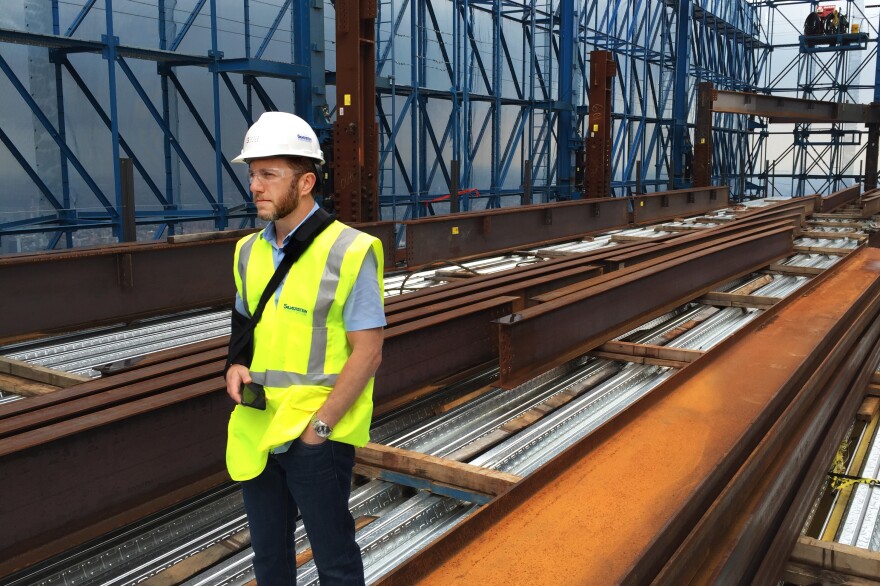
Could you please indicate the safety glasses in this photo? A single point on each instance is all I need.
(268, 175)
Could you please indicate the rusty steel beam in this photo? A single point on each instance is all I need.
(384, 231)
(708, 237)
(870, 204)
(471, 234)
(85, 287)
(806, 205)
(127, 282)
(552, 333)
(100, 394)
(415, 298)
(420, 352)
(790, 110)
(80, 478)
(67, 290)
(840, 198)
(176, 360)
(603, 69)
(659, 207)
(768, 498)
(429, 295)
(681, 444)
(356, 132)
(523, 289)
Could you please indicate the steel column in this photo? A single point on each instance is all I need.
(598, 167)
(703, 136)
(565, 121)
(128, 212)
(872, 154)
(355, 132)
(680, 96)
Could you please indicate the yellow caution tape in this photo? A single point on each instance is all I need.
(840, 481)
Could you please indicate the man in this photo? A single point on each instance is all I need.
(316, 348)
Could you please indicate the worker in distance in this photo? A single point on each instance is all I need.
(306, 341)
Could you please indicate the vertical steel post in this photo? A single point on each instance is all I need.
(872, 151)
(67, 215)
(598, 167)
(495, 164)
(307, 33)
(166, 114)
(680, 96)
(527, 183)
(453, 187)
(703, 136)
(247, 54)
(355, 132)
(129, 226)
(457, 153)
(221, 219)
(766, 177)
(467, 86)
(421, 98)
(109, 53)
(638, 177)
(565, 120)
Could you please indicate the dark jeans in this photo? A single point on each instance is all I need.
(317, 480)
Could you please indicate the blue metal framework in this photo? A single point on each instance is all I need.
(497, 85)
(518, 73)
(817, 158)
(197, 79)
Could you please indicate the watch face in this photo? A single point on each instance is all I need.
(322, 429)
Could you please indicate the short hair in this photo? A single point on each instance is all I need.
(301, 165)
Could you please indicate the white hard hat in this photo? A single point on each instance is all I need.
(280, 134)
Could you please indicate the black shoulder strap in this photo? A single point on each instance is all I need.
(299, 242)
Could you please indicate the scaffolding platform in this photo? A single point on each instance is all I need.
(839, 42)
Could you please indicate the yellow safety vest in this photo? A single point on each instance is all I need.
(300, 344)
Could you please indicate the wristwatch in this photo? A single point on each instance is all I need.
(321, 429)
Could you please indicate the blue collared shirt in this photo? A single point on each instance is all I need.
(363, 310)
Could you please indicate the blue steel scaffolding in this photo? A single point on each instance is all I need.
(801, 159)
(498, 86)
(158, 83)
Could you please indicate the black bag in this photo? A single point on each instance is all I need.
(241, 338)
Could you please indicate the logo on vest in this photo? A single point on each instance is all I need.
(296, 309)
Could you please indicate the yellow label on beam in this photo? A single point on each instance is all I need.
(346, 99)
(455, 229)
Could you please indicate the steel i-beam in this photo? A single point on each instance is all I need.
(598, 169)
(355, 132)
(550, 334)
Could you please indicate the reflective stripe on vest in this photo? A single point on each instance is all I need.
(326, 295)
(244, 256)
(281, 378)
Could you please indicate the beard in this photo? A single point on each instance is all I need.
(283, 207)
